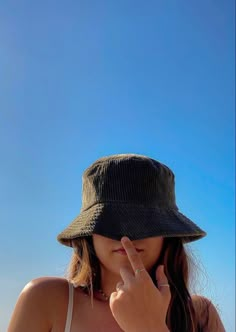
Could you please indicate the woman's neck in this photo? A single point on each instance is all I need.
(109, 281)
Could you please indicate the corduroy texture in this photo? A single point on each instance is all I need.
(132, 195)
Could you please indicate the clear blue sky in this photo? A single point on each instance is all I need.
(84, 79)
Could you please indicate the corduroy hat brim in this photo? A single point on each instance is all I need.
(116, 220)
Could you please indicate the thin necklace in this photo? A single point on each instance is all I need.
(105, 296)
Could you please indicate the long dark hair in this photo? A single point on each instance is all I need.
(181, 314)
(84, 271)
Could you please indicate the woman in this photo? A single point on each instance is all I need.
(129, 270)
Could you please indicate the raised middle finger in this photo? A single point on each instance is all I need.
(133, 256)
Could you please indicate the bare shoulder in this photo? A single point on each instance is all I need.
(39, 304)
(45, 285)
(44, 291)
(207, 314)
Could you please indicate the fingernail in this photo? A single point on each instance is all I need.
(124, 239)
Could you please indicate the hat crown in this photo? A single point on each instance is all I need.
(129, 179)
(132, 195)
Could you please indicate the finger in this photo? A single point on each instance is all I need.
(162, 282)
(133, 256)
(127, 275)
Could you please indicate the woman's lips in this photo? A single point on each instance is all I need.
(122, 251)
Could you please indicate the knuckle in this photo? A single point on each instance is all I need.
(135, 260)
(146, 278)
(167, 295)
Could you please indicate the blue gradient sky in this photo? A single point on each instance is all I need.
(83, 79)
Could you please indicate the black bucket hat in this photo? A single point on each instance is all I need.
(132, 195)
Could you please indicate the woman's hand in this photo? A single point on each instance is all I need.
(138, 305)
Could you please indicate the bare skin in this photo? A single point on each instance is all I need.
(42, 305)
(138, 305)
(111, 260)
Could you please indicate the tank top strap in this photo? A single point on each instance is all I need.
(70, 307)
